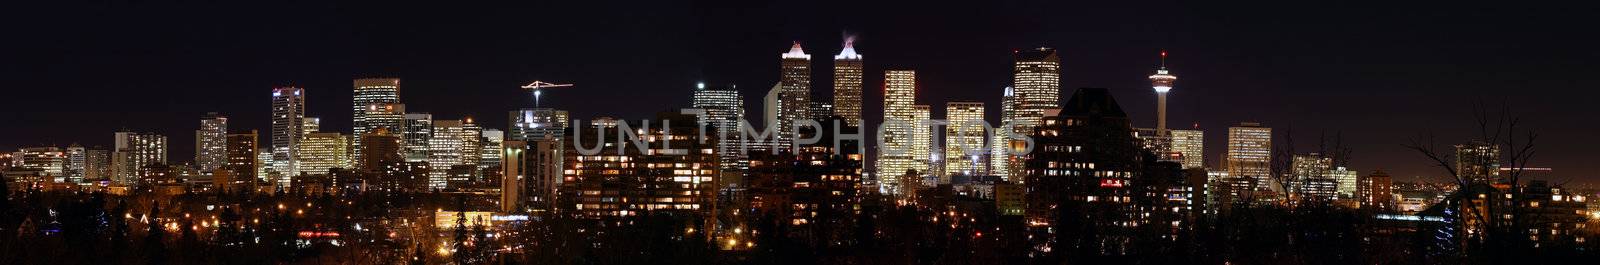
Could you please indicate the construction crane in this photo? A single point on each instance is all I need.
(538, 86)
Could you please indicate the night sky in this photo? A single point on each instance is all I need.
(1377, 73)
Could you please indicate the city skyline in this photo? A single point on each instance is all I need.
(740, 132)
(1349, 85)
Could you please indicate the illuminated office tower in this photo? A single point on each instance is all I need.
(242, 158)
(445, 150)
(96, 164)
(1036, 76)
(322, 151)
(418, 130)
(895, 155)
(489, 151)
(77, 157)
(724, 108)
(847, 72)
(471, 142)
(529, 124)
(311, 125)
(135, 151)
(288, 121)
(1036, 89)
(1162, 82)
(794, 101)
(1478, 162)
(387, 116)
(52, 160)
(264, 171)
(964, 139)
(1310, 179)
(1250, 153)
(1000, 159)
(210, 142)
(1191, 145)
(1348, 182)
(820, 111)
(368, 92)
(925, 161)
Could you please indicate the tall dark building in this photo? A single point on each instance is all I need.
(241, 155)
(622, 180)
(1091, 181)
(814, 191)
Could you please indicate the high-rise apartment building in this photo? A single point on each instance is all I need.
(134, 152)
(895, 155)
(964, 139)
(847, 73)
(210, 142)
(96, 164)
(1478, 162)
(606, 183)
(1376, 191)
(288, 121)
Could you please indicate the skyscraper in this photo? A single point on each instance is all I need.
(1478, 162)
(134, 152)
(288, 121)
(418, 130)
(1250, 153)
(1036, 81)
(77, 157)
(448, 148)
(311, 125)
(724, 109)
(1311, 179)
(895, 153)
(794, 101)
(387, 116)
(210, 142)
(964, 139)
(820, 111)
(96, 164)
(847, 72)
(242, 158)
(1191, 145)
(1036, 76)
(489, 154)
(370, 91)
(383, 152)
(512, 182)
(1000, 159)
(922, 143)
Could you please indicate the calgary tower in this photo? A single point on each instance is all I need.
(1162, 81)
